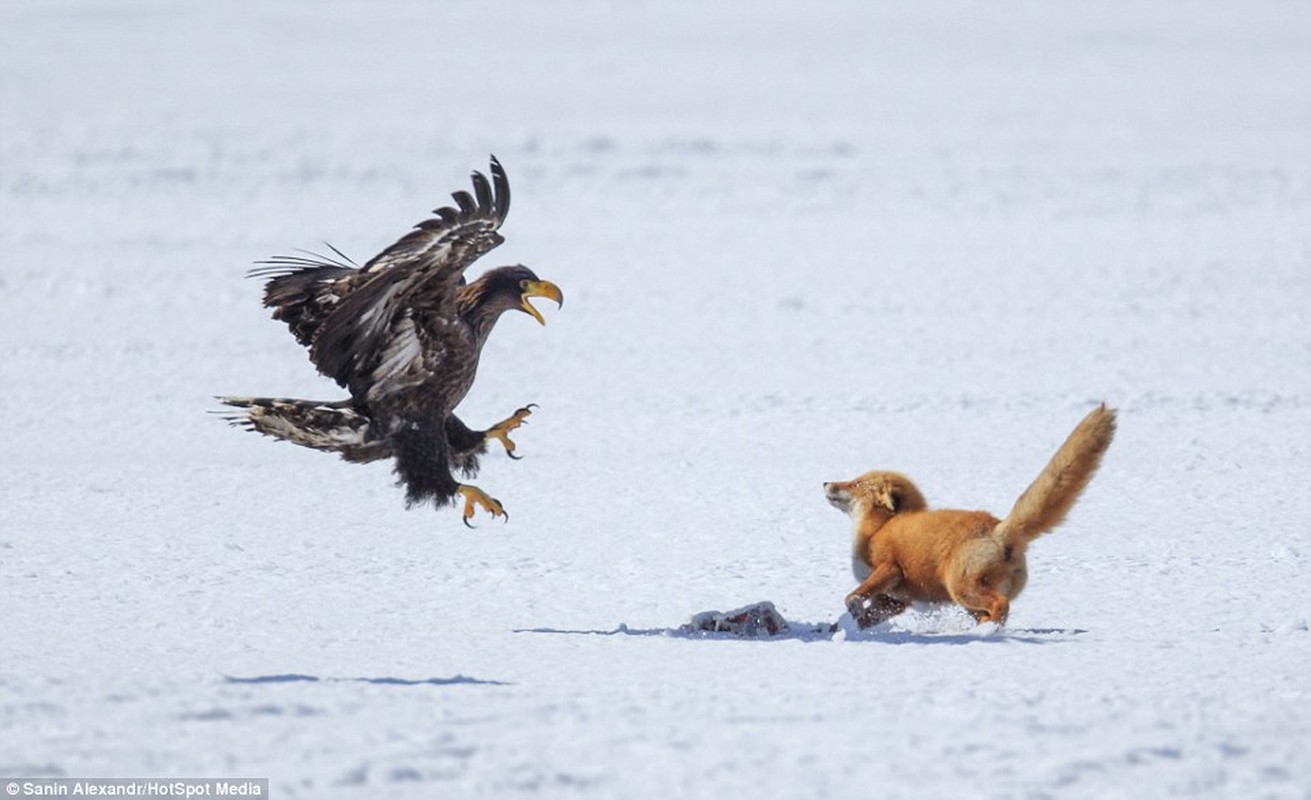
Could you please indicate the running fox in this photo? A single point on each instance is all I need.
(905, 553)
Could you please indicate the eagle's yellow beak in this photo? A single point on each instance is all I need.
(539, 289)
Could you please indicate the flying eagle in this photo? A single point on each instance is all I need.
(403, 335)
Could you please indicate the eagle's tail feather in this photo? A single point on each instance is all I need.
(334, 427)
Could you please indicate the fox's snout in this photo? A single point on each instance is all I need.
(839, 496)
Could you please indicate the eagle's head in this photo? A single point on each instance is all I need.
(504, 289)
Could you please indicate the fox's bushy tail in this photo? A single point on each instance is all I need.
(333, 427)
(1050, 497)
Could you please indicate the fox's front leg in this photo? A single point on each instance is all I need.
(882, 607)
(869, 603)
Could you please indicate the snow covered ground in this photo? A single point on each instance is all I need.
(797, 241)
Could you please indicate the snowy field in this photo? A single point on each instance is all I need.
(797, 241)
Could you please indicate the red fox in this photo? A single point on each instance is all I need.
(905, 553)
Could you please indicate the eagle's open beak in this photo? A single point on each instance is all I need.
(539, 289)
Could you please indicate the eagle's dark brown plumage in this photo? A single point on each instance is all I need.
(403, 335)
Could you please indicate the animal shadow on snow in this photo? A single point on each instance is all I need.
(283, 695)
(458, 680)
(762, 622)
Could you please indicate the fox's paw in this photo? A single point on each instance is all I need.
(856, 607)
(474, 497)
(501, 430)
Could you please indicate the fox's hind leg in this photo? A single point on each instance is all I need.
(872, 590)
(984, 602)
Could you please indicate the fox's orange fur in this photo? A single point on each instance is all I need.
(906, 553)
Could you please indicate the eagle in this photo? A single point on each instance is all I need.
(402, 334)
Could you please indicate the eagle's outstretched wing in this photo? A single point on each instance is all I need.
(416, 276)
(303, 289)
(455, 237)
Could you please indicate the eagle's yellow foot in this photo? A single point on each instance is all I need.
(501, 430)
(473, 496)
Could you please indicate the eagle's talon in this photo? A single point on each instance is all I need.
(473, 497)
(501, 430)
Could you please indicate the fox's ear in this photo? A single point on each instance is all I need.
(888, 498)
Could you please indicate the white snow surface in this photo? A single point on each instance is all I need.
(797, 241)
